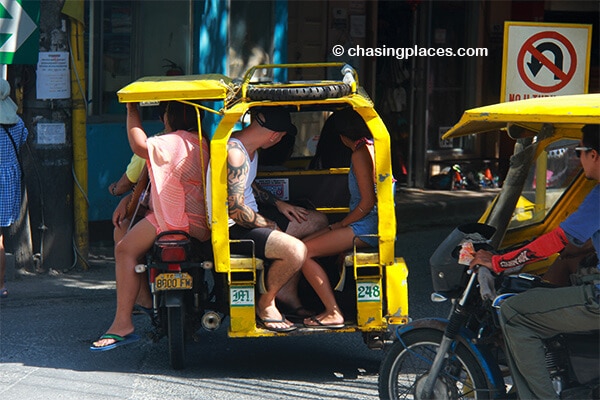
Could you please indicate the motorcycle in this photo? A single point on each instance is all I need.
(463, 356)
(178, 269)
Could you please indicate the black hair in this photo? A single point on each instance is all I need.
(591, 136)
(350, 124)
(182, 117)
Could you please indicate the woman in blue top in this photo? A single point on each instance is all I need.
(361, 220)
(13, 135)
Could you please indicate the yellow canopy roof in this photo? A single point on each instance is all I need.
(183, 87)
(571, 111)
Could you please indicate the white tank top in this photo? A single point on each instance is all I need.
(249, 198)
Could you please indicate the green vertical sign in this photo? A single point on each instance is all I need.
(19, 32)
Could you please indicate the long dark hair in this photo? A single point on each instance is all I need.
(350, 124)
(182, 117)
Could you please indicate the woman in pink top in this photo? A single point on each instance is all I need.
(176, 167)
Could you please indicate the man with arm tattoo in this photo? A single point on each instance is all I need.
(276, 232)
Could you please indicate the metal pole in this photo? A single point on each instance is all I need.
(80, 158)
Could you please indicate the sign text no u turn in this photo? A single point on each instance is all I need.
(543, 59)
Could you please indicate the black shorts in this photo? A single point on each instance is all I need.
(258, 235)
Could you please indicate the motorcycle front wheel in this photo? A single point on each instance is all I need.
(405, 367)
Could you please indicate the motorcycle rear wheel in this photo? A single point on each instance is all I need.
(404, 369)
(176, 336)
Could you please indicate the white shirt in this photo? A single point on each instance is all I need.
(249, 199)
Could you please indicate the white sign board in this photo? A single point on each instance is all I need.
(53, 77)
(51, 133)
(545, 59)
(279, 187)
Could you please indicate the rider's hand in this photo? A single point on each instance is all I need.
(482, 258)
(120, 211)
(299, 214)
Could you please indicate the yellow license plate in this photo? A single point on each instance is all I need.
(170, 281)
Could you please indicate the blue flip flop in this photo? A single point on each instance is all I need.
(119, 341)
(3, 293)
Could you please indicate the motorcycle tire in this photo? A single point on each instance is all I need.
(176, 336)
(328, 91)
(404, 369)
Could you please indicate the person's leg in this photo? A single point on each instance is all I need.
(119, 233)
(332, 242)
(133, 245)
(316, 221)
(287, 254)
(2, 260)
(144, 297)
(539, 314)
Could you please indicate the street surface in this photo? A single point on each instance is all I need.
(48, 322)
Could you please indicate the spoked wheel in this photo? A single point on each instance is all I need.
(176, 335)
(404, 370)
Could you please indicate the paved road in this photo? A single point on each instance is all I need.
(49, 321)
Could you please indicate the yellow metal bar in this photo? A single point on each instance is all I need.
(331, 171)
(80, 158)
(396, 276)
(218, 166)
(384, 184)
(333, 210)
(541, 169)
(191, 103)
(250, 73)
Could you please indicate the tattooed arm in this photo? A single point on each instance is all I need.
(237, 175)
(263, 196)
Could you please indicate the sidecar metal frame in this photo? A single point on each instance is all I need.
(388, 275)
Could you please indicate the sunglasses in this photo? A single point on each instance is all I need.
(578, 150)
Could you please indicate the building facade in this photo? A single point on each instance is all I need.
(418, 97)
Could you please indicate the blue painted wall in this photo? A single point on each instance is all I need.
(108, 156)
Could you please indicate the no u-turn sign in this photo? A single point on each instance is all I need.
(545, 60)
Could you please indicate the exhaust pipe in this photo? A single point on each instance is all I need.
(211, 321)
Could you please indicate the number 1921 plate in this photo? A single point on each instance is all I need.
(171, 281)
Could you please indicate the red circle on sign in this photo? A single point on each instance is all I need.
(528, 47)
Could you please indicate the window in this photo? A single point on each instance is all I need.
(558, 166)
(131, 39)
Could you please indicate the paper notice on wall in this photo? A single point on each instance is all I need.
(51, 133)
(53, 78)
